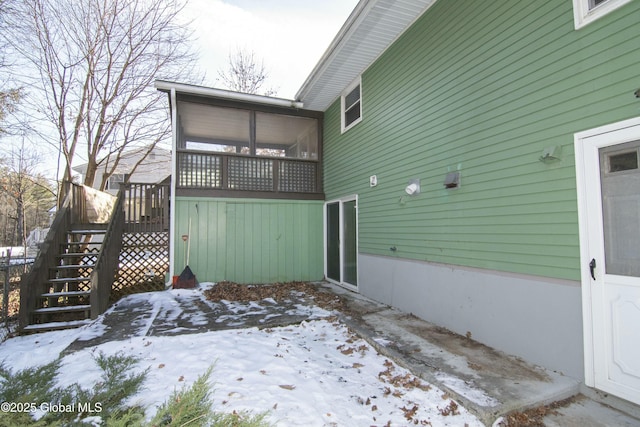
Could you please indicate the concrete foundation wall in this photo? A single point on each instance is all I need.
(536, 318)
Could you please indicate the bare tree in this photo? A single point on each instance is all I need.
(245, 73)
(9, 97)
(96, 62)
(25, 194)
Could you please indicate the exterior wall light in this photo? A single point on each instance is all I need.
(551, 154)
(413, 189)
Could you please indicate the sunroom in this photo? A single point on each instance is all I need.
(247, 186)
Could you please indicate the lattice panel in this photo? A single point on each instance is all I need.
(250, 174)
(297, 177)
(199, 170)
(144, 262)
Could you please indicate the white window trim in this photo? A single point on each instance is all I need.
(582, 16)
(349, 88)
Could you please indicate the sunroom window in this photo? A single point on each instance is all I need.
(216, 129)
(280, 135)
(232, 150)
(587, 11)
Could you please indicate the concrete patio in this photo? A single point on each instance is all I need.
(486, 382)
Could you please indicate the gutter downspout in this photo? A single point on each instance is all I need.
(174, 169)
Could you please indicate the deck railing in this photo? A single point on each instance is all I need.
(198, 170)
(106, 266)
(35, 282)
(146, 207)
(82, 206)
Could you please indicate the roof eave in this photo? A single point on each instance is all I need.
(353, 50)
(167, 86)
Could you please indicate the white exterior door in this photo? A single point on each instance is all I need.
(608, 178)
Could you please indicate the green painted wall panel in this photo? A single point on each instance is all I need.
(250, 240)
(483, 88)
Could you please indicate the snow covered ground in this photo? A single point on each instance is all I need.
(315, 373)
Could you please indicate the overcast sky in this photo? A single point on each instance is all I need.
(290, 36)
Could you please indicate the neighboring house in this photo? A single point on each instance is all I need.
(475, 164)
(153, 169)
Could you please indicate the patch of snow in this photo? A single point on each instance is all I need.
(499, 422)
(35, 350)
(315, 373)
(382, 341)
(466, 389)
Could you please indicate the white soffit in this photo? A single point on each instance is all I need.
(370, 29)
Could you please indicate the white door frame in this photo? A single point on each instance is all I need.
(340, 201)
(587, 145)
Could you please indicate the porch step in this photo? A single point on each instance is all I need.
(77, 254)
(69, 280)
(55, 326)
(72, 266)
(75, 270)
(70, 244)
(66, 294)
(88, 229)
(63, 309)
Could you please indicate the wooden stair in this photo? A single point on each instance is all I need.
(66, 300)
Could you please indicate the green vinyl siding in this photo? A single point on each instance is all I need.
(250, 240)
(483, 88)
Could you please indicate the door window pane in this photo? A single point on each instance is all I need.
(623, 162)
(621, 211)
(333, 241)
(350, 255)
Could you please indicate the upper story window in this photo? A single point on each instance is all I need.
(114, 181)
(587, 11)
(351, 101)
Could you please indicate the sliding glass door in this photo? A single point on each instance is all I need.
(341, 241)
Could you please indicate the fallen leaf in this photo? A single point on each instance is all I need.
(239, 379)
(287, 386)
(275, 406)
(357, 365)
(263, 372)
(347, 351)
(160, 366)
(181, 378)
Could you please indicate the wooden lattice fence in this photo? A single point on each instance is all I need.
(144, 263)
